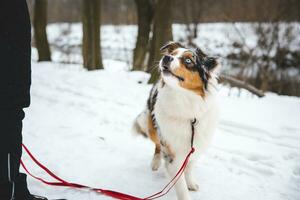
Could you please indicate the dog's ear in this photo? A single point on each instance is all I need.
(209, 62)
(200, 53)
(171, 46)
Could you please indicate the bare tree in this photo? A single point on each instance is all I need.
(162, 33)
(145, 15)
(192, 13)
(91, 50)
(40, 34)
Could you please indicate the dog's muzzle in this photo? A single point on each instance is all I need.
(165, 67)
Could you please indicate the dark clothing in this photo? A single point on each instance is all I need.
(12, 183)
(15, 79)
(15, 54)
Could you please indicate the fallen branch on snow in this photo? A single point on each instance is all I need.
(240, 84)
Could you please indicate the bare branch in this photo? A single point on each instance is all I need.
(240, 84)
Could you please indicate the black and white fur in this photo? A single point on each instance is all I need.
(172, 108)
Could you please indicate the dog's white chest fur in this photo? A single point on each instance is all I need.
(174, 111)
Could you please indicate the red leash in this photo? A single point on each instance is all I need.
(117, 195)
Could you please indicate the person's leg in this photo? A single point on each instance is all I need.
(15, 81)
(12, 183)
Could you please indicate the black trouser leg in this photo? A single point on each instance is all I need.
(12, 183)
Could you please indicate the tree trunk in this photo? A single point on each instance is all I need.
(40, 34)
(145, 15)
(162, 33)
(91, 48)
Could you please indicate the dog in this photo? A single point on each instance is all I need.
(185, 93)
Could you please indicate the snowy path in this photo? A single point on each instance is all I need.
(79, 126)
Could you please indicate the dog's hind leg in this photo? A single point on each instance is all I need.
(140, 125)
(156, 161)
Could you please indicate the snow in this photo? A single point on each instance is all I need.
(79, 125)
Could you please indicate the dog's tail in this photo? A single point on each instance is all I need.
(140, 124)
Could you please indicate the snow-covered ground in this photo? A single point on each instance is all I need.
(79, 125)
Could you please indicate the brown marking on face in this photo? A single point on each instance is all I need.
(190, 55)
(153, 135)
(192, 80)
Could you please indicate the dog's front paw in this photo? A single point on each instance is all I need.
(156, 162)
(192, 186)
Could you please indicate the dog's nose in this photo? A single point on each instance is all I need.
(167, 59)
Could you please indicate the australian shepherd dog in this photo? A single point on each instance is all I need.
(186, 92)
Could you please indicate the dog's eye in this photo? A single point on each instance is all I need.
(188, 61)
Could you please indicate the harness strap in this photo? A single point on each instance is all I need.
(193, 123)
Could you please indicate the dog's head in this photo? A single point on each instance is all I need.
(185, 68)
